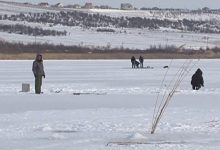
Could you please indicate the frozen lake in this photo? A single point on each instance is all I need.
(116, 104)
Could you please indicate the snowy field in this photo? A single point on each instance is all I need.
(133, 38)
(116, 105)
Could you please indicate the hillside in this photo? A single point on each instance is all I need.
(137, 29)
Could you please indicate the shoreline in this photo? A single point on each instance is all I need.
(109, 55)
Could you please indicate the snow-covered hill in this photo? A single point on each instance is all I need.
(162, 14)
(137, 29)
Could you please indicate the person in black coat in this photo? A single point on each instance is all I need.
(133, 60)
(197, 80)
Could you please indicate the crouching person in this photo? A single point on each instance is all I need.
(38, 70)
(137, 64)
(197, 80)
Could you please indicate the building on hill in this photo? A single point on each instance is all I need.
(88, 6)
(58, 5)
(126, 6)
(26, 3)
(77, 6)
(105, 7)
(44, 4)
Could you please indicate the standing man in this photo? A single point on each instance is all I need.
(141, 59)
(38, 70)
(133, 60)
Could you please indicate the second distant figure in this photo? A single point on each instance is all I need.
(141, 59)
(38, 70)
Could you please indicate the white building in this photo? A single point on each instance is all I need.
(77, 6)
(58, 5)
(105, 7)
(88, 6)
(44, 4)
(126, 6)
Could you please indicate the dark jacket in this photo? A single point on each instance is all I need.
(197, 79)
(133, 59)
(38, 67)
(141, 59)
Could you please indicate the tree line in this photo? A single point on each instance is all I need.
(8, 47)
(28, 30)
(88, 20)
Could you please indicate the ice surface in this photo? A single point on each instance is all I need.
(55, 121)
(136, 136)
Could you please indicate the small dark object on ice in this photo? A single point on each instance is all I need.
(125, 143)
(166, 67)
(89, 93)
(149, 67)
(58, 91)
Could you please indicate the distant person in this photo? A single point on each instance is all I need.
(141, 59)
(133, 61)
(197, 80)
(38, 70)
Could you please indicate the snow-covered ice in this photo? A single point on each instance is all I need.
(118, 107)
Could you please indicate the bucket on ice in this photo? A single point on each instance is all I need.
(25, 87)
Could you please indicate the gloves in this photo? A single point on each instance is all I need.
(44, 75)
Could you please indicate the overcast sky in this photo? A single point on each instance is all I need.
(190, 4)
